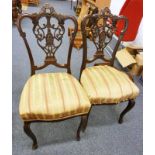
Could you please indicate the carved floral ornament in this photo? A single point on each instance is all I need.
(49, 35)
(102, 28)
(48, 28)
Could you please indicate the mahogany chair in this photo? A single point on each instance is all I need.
(50, 97)
(103, 82)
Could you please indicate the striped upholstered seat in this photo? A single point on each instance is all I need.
(52, 96)
(105, 84)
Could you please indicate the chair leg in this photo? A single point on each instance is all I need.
(130, 105)
(30, 134)
(85, 122)
(82, 126)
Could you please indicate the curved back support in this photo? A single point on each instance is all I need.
(48, 35)
(102, 29)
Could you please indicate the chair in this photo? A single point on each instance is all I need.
(104, 83)
(50, 97)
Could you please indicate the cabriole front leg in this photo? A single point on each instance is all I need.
(30, 134)
(85, 122)
(82, 126)
(130, 105)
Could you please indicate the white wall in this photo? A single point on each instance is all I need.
(115, 7)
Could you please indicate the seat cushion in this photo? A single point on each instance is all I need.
(105, 84)
(52, 96)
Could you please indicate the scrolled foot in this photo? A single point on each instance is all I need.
(120, 121)
(34, 146)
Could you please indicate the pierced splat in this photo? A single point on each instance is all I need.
(49, 36)
(49, 29)
(103, 27)
(102, 30)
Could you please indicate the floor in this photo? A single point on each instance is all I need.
(104, 136)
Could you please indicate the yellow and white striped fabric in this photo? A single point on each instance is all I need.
(52, 96)
(105, 84)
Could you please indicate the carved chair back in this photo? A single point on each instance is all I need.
(102, 30)
(48, 35)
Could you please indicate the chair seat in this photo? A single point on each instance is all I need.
(52, 96)
(105, 84)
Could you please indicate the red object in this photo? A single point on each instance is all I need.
(133, 10)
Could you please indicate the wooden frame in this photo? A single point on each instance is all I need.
(29, 133)
(16, 10)
(50, 49)
(102, 28)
